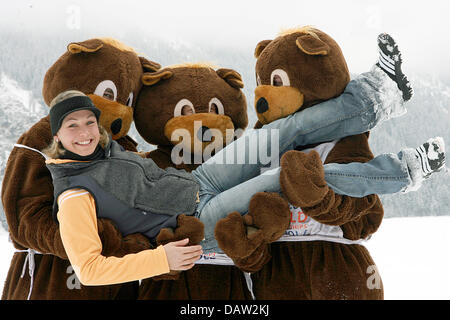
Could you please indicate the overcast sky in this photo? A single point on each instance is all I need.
(420, 27)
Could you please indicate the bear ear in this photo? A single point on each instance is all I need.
(260, 47)
(232, 77)
(92, 45)
(148, 65)
(312, 45)
(151, 78)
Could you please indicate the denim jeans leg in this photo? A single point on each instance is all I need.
(369, 99)
(385, 174)
(213, 208)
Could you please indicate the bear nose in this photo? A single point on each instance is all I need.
(116, 125)
(204, 134)
(262, 105)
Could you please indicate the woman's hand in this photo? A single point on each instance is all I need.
(181, 257)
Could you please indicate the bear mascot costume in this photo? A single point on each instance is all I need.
(336, 269)
(199, 100)
(110, 73)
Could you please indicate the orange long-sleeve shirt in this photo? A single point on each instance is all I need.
(78, 228)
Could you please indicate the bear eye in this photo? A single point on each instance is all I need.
(279, 78)
(130, 99)
(106, 89)
(183, 108)
(216, 106)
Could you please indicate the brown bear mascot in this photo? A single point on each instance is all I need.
(110, 73)
(198, 100)
(317, 71)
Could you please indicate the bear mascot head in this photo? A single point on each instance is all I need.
(298, 69)
(191, 106)
(107, 71)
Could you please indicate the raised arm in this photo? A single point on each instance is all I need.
(323, 205)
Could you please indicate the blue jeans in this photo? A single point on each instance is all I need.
(385, 174)
(229, 179)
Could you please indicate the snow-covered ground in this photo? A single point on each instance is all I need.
(412, 256)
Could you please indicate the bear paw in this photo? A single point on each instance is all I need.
(235, 238)
(302, 178)
(255, 261)
(270, 213)
(187, 227)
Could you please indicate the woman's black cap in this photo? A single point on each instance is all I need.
(62, 109)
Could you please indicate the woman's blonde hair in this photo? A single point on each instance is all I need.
(56, 149)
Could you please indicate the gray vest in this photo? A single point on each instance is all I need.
(132, 191)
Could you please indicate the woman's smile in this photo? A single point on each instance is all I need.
(79, 132)
(84, 143)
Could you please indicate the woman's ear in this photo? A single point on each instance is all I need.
(56, 139)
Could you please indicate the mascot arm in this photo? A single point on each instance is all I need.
(113, 244)
(27, 196)
(337, 209)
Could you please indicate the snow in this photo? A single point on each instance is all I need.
(11, 88)
(412, 257)
(6, 253)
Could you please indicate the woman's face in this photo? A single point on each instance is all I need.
(79, 132)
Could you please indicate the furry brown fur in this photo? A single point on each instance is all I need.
(199, 84)
(302, 178)
(27, 191)
(245, 239)
(300, 53)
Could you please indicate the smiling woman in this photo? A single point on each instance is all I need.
(75, 127)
